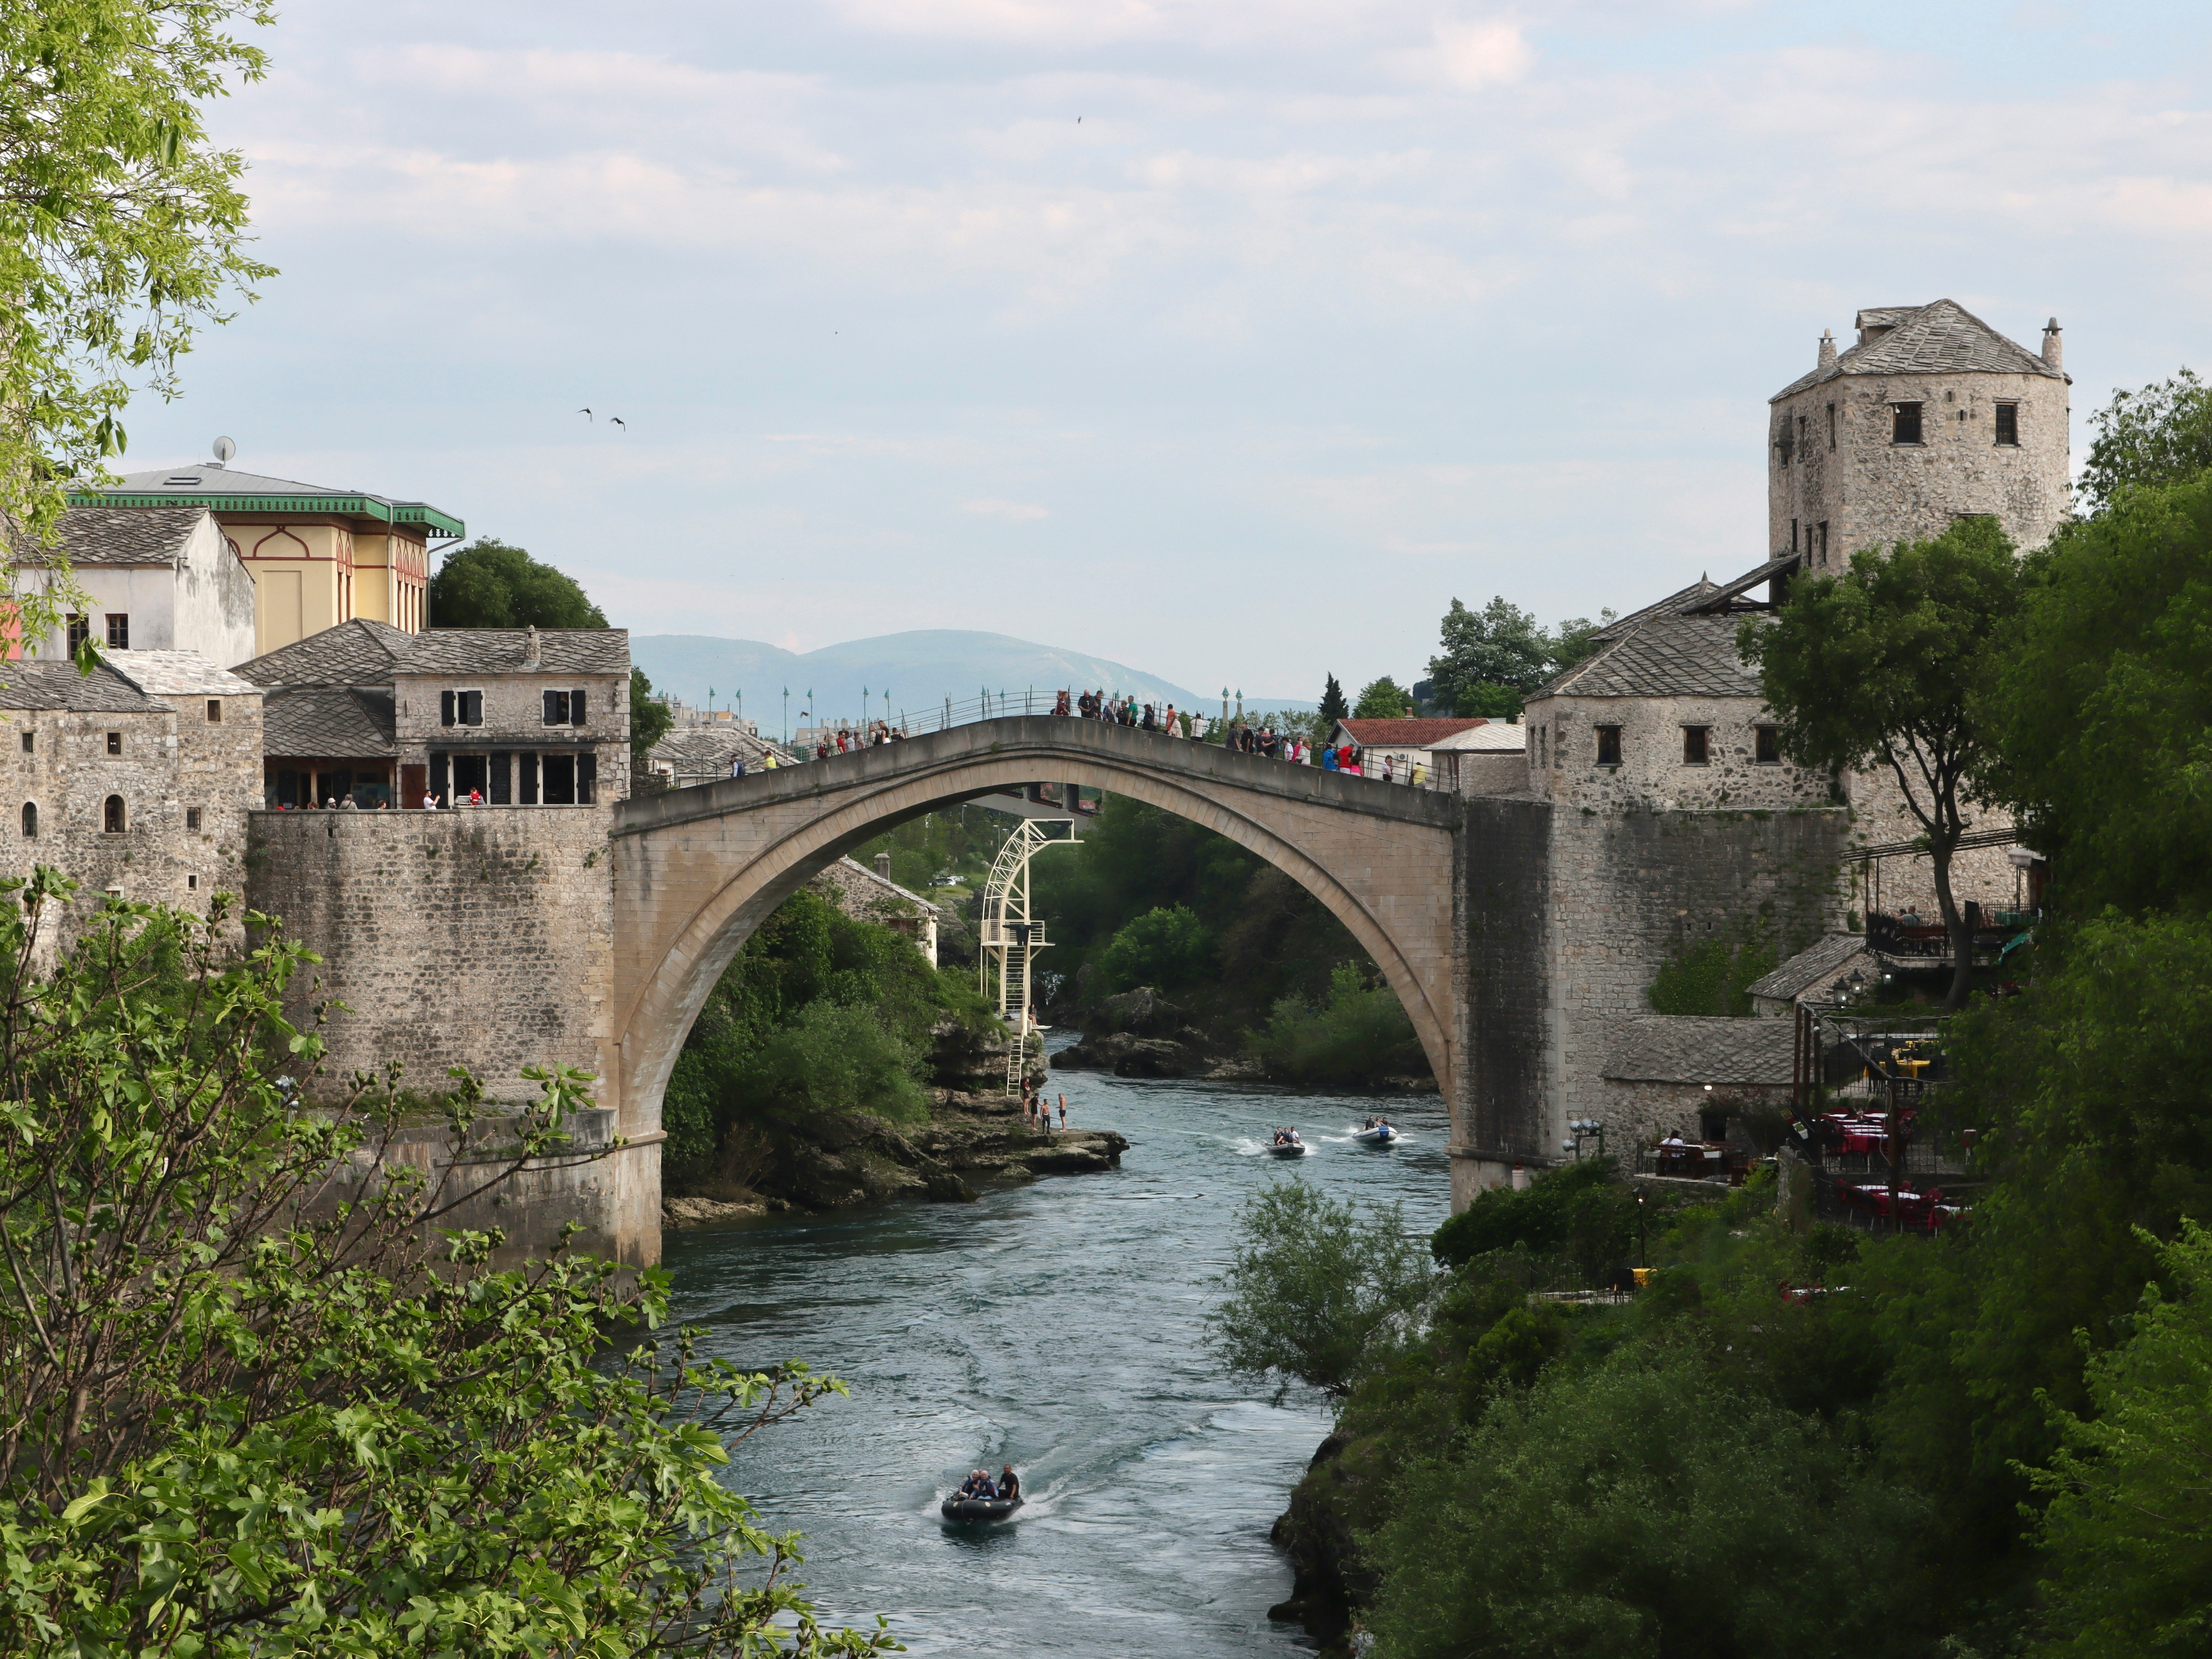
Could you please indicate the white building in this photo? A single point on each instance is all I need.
(159, 579)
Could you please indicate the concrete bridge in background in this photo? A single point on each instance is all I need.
(697, 870)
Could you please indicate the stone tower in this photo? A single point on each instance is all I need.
(1932, 415)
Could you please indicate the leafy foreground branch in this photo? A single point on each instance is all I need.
(254, 1401)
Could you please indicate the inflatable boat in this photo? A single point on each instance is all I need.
(1288, 1149)
(979, 1508)
(1381, 1135)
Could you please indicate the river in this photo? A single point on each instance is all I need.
(1059, 1326)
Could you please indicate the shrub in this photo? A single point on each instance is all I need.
(1170, 948)
(838, 1058)
(1314, 1282)
(1354, 1036)
(1579, 1210)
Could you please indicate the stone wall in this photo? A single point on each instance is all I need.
(1504, 914)
(482, 937)
(1869, 491)
(1653, 774)
(175, 763)
(1632, 891)
(1879, 818)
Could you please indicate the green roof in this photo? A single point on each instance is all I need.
(221, 491)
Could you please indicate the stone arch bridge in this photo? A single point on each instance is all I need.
(698, 870)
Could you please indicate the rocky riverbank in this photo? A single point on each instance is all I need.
(972, 1139)
(1141, 1034)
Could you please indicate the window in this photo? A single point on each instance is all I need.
(526, 790)
(112, 821)
(559, 774)
(30, 820)
(587, 778)
(1608, 745)
(114, 743)
(29, 746)
(1824, 541)
(460, 708)
(214, 711)
(1793, 535)
(2008, 424)
(1767, 745)
(192, 882)
(1832, 426)
(564, 708)
(1905, 423)
(80, 630)
(191, 817)
(119, 631)
(1694, 744)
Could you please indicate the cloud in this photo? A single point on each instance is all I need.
(1013, 511)
(1480, 54)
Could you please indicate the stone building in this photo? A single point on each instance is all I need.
(318, 555)
(157, 578)
(134, 780)
(1931, 415)
(868, 894)
(519, 716)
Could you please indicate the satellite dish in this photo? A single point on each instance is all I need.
(224, 449)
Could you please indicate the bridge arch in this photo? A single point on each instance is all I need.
(698, 870)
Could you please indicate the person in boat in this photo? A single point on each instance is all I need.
(1010, 1484)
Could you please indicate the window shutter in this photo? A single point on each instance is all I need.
(473, 708)
(529, 780)
(553, 708)
(437, 774)
(587, 777)
(445, 708)
(575, 709)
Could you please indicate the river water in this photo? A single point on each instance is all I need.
(1058, 1327)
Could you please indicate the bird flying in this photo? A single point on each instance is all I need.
(619, 422)
(583, 411)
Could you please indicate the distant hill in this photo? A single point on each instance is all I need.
(921, 670)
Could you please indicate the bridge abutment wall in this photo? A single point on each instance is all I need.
(483, 937)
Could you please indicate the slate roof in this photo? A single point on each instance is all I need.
(1809, 968)
(123, 535)
(207, 478)
(1672, 657)
(700, 749)
(1418, 733)
(1684, 1048)
(178, 674)
(356, 653)
(327, 722)
(1942, 337)
(1728, 593)
(500, 650)
(1676, 604)
(60, 685)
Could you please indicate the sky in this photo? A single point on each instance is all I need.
(1228, 338)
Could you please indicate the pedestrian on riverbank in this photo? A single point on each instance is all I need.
(1063, 1111)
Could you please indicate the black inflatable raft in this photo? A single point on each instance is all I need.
(979, 1508)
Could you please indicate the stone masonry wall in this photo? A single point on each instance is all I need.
(173, 763)
(1629, 891)
(1652, 774)
(1869, 491)
(481, 937)
(1505, 869)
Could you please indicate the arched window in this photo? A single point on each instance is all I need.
(113, 821)
(30, 820)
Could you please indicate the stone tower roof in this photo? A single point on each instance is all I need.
(1942, 337)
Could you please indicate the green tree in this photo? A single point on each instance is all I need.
(1487, 700)
(2102, 701)
(1313, 1284)
(1577, 639)
(1645, 1509)
(1886, 664)
(125, 229)
(1353, 1036)
(1332, 708)
(488, 584)
(253, 1411)
(2128, 1529)
(1382, 700)
(1498, 646)
(2161, 434)
(1168, 948)
(649, 719)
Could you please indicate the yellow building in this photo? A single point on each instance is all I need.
(319, 556)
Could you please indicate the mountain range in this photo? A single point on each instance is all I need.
(918, 671)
